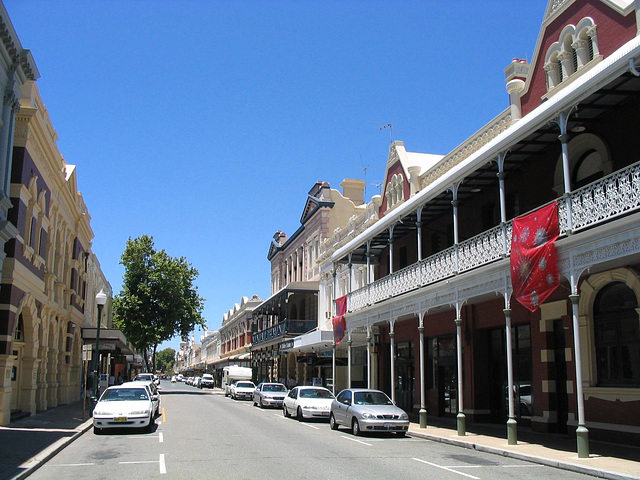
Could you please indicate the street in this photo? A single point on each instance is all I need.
(205, 435)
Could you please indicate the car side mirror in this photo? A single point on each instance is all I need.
(347, 402)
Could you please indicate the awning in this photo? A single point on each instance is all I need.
(110, 339)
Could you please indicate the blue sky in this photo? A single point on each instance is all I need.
(205, 123)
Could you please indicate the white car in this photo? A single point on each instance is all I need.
(154, 391)
(308, 402)
(243, 390)
(127, 405)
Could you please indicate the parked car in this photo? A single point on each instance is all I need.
(308, 402)
(207, 381)
(269, 394)
(242, 390)
(365, 410)
(153, 391)
(127, 405)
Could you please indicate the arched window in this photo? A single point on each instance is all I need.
(617, 336)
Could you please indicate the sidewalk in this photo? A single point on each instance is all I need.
(606, 460)
(30, 442)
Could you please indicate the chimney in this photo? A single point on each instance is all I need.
(516, 76)
(280, 237)
(353, 190)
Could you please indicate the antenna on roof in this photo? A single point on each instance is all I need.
(390, 127)
(364, 170)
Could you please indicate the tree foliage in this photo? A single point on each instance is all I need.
(165, 359)
(158, 299)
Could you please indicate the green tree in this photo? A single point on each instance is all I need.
(158, 299)
(165, 359)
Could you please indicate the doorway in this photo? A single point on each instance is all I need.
(405, 376)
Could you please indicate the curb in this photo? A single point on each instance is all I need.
(35, 462)
(594, 472)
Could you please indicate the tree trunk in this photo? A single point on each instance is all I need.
(146, 358)
(155, 347)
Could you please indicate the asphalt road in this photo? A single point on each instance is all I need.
(202, 435)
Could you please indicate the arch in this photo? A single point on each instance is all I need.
(589, 290)
(589, 148)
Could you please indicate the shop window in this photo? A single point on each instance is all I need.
(617, 336)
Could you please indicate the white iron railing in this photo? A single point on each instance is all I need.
(599, 202)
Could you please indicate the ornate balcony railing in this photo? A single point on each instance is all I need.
(599, 202)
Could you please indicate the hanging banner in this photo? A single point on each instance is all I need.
(534, 271)
(339, 323)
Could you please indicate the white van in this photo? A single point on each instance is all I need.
(233, 373)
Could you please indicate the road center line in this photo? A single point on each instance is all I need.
(445, 468)
(357, 441)
(163, 466)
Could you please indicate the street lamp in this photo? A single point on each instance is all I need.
(101, 299)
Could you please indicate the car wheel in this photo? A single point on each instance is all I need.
(332, 422)
(355, 427)
(284, 410)
(299, 414)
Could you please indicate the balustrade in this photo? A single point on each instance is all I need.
(612, 196)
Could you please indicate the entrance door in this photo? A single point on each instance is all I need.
(405, 376)
(16, 371)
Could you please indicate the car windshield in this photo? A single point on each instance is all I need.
(144, 378)
(372, 398)
(315, 393)
(274, 388)
(121, 394)
(245, 385)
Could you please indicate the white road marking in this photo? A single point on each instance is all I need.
(163, 466)
(310, 426)
(139, 462)
(448, 469)
(161, 437)
(357, 441)
(72, 465)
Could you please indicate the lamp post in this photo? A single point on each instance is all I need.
(101, 299)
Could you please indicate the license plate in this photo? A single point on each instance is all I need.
(120, 419)
(388, 426)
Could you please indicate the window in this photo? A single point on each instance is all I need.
(577, 46)
(617, 336)
(18, 334)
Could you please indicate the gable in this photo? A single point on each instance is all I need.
(568, 21)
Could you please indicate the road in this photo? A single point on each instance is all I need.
(204, 435)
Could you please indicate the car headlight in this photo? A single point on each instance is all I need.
(99, 412)
(368, 415)
(404, 416)
(140, 412)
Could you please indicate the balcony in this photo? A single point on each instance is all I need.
(599, 202)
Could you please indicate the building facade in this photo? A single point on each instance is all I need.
(292, 309)
(438, 310)
(16, 68)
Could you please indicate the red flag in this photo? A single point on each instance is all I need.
(339, 323)
(534, 271)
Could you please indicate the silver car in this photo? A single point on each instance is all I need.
(364, 410)
(269, 394)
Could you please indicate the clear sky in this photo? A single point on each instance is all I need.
(205, 123)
